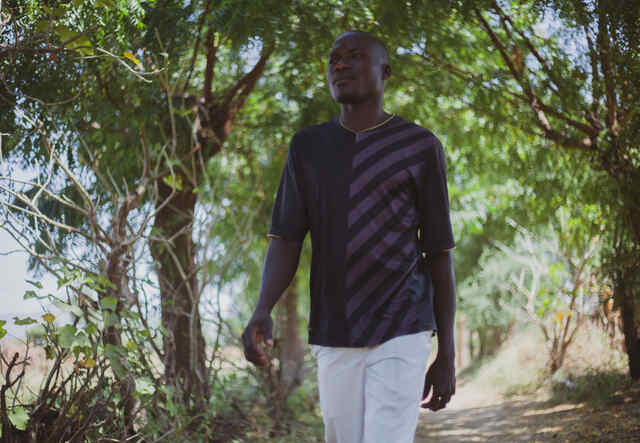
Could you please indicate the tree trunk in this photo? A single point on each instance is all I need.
(630, 328)
(626, 291)
(116, 273)
(291, 346)
(174, 256)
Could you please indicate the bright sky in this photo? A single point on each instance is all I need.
(13, 270)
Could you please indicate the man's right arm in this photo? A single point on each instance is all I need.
(280, 266)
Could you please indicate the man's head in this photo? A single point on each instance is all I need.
(358, 68)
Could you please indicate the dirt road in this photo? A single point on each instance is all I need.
(476, 417)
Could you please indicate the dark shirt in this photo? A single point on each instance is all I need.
(376, 204)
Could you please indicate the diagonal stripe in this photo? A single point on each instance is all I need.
(405, 156)
(362, 317)
(378, 197)
(401, 133)
(359, 311)
(382, 330)
(373, 239)
(365, 302)
(395, 209)
(366, 273)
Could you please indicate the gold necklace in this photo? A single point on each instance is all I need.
(367, 129)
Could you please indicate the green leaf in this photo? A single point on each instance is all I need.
(37, 284)
(50, 352)
(114, 353)
(82, 45)
(173, 181)
(24, 321)
(80, 342)
(145, 386)
(19, 417)
(67, 335)
(3, 331)
(91, 329)
(110, 319)
(101, 283)
(42, 26)
(109, 303)
(31, 294)
(75, 310)
(106, 4)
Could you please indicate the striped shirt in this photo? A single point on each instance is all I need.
(376, 204)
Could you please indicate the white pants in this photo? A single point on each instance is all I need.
(372, 394)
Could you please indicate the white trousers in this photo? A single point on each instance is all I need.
(373, 394)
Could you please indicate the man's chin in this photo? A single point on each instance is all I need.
(346, 98)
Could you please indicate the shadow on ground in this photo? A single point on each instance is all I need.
(505, 422)
(535, 421)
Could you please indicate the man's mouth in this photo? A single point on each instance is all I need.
(341, 81)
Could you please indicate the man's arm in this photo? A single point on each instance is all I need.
(280, 266)
(441, 376)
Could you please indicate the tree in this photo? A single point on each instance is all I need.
(572, 85)
(203, 58)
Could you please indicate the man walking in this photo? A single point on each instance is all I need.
(370, 187)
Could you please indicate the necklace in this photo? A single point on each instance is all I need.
(367, 129)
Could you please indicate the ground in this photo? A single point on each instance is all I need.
(511, 397)
(473, 417)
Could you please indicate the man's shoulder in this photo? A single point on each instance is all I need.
(315, 130)
(416, 128)
(306, 140)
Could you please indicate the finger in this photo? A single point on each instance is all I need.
(426, 391)
(252, 352)
(257, 357)
(436, 403)
(268, 335)
(427, 387)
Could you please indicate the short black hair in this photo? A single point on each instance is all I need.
(372, 39)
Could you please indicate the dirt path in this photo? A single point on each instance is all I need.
(474, 416)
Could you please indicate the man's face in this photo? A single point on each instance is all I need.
(356, 70)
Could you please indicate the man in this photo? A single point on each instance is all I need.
(371, 189)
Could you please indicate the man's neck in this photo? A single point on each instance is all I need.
(359, 117)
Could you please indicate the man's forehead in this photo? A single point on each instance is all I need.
(352, 40)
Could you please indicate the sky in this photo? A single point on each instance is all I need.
(13, 273)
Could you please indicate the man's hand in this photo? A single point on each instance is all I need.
(258, 330)
(441, 376)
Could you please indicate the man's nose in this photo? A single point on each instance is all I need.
(341, 66)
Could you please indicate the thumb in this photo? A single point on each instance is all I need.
(427, 388)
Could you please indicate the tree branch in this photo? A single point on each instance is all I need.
(527, 41)
(212, 49)
(196, 46)
(610, 93)
(595, 77)
(245, 85)
(535, 103)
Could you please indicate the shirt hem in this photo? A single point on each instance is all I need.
(340, 344)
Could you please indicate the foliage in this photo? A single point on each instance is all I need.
(548, 278)
(108, 104)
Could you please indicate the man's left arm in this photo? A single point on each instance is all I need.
(441, 376)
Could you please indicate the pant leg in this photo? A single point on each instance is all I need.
(341, 388)
(394, 381)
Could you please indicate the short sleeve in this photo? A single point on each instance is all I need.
(289, 219)
(436, 234)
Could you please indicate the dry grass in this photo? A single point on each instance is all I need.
(520, 366)
(36, 370)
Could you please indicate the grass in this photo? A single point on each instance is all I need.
(593, 371)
